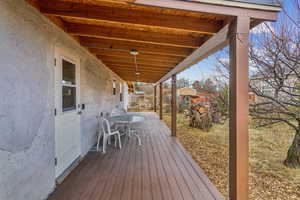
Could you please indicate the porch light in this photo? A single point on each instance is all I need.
(134, 52)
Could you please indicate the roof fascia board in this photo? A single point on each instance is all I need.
(266, 15)
(241, 4)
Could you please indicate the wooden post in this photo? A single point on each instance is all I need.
(154, 100)
(238, 108)
(160, 101)
(174, 105)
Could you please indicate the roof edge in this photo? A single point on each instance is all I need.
(241, 4)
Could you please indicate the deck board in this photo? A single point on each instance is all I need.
(160, 169)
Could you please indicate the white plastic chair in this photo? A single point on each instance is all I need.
(99, 132)
(107, 133)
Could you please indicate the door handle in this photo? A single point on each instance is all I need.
(79, 112)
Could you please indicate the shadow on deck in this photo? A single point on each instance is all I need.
(160, 169)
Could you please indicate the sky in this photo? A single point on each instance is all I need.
(206, 68)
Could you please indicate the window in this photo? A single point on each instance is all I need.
(68, 86)
(114, 88)
(69, 98)
(121, 92)
(68, 73)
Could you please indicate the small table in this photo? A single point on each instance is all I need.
(128, 120)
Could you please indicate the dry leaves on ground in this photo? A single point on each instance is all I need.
(269, 178)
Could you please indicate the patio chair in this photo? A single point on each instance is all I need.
(99, 132)
(118, 126)
(99, 128)
(107, 133)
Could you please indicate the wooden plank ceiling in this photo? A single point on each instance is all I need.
(111, 29)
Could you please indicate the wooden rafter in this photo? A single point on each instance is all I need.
(124, 64)
(124, 34)
(126, 16)
(132, 79)
(140, 47)
(130, 60)
(141, 55)
(144, 75)
(164, 32)
(134, 8)
(137, 78)
(139, 69)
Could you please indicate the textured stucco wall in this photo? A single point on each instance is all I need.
(27, 43)
(96, 94)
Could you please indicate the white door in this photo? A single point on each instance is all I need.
(67, 111)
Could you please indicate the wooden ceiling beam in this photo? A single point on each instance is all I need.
(132, 79)
(139, 66)
(130, 60)
(132, 75)
(145, 69)
(139, 69)
(123, 34)
(140, 47)
(126, 63)
(144, 76)
(141, 74)
(54, 19)
(141, 55)
(126, 15)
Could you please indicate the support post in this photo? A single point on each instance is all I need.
(154, 100)
(238, 109)
(160, 101)
(174, 106)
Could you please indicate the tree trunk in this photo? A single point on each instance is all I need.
(293, 156)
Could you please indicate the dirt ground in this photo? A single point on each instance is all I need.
(269, 178)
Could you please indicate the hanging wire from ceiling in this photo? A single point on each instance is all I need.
(110, 49)
(137, 73)
(133, 52)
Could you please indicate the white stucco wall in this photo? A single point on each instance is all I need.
(27, 41)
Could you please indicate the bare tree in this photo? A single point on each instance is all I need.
(275, 80)
(183, 83)
(275, 57)
(205, 86)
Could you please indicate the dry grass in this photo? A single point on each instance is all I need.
(269, 178)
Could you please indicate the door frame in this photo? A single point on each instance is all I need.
(59, 55)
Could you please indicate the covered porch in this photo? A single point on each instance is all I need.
(159, 169)
(153, 41)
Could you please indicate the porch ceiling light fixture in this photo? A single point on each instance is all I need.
(135, 53)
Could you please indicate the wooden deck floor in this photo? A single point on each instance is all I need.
(158, 170)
